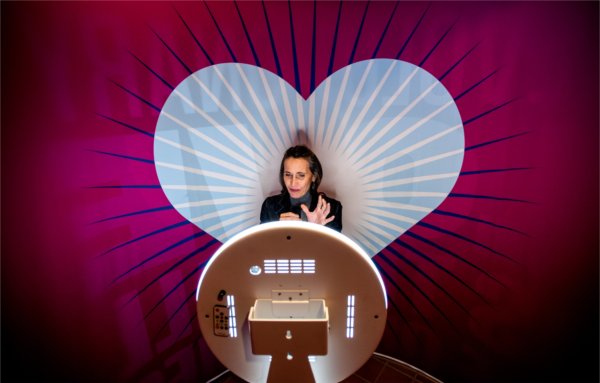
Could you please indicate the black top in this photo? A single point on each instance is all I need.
(274, 206)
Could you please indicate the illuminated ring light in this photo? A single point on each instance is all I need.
(388, 134)
(292, 257)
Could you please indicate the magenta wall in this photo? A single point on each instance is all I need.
(500, 283)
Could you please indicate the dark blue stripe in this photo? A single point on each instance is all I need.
(123, 156)
(172, 290)
(199, 336)
(179, 59)
(425, 275)
(294, 54)
(440, 267)
(475, 85)
(337, 28)
(173, 267)
(195, 39)
(384, 33)
(487, 112)
(435, 46)
(404, 295)
(220, 32)
(458, 62)
(161, 230)
(256, 60)
(478, 220)
(126, 187)
(480, 196)
(476, 146)
(463, 238)
(127, 125)
(153, 210)
(362, 23)
(314, 48)
(156, 108)
(275, 56)
(152, 71)
(182, 305)
(413, 32)
(402, 317)
(475, 172)
(188, 325)
(453, 255)
(416, 287)
(158, 254)
(406, 322)
(390, 328)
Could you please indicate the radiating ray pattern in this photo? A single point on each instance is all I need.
(388, 134)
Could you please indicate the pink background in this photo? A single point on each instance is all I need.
(75, 306)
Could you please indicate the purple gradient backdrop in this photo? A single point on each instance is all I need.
(66, 314)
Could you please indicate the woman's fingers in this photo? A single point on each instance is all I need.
(289, 216)
(326, 210)
(318, 215)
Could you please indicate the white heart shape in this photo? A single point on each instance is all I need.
(388, 134)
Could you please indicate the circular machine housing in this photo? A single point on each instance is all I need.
(320, 273)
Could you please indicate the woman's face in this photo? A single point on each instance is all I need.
(297, 176)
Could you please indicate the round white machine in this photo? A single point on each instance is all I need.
(291, 301)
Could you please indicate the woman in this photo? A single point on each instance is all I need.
(300, 175)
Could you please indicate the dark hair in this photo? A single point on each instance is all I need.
(301, 151)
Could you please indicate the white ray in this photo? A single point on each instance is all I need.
(196, 132)
(311, 124)
(215, 202)
(363, 241)
(208, 173)
(231, 231)
(379, 232)
(260, 149)
(365, 108)
(385, 224)
(323, 112)
(230, 221)
(221, 213)
(374, 212)
(403, 194)
(214, 124)
(336, 109)
(291, 124)
(409, 180)
(350, 107)
(383, 131)
(274, 107)
(300, 112)
(377, 118)
(392, 157)
(396, 205)
(207, 157)
(212, 189)
(271, 144)
(369, 228)
(414, 164)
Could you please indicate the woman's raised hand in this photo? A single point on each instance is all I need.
(319, 215)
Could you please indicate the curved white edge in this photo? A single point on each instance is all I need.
(408, 365)
(295, 224)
